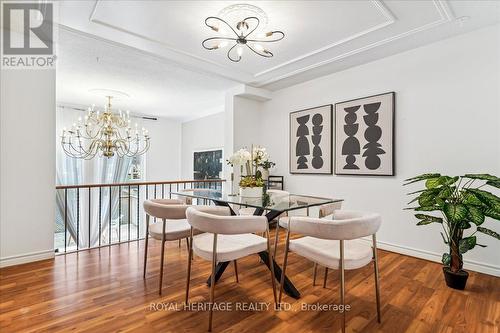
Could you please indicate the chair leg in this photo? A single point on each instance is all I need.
(162, 255)
(342, 284)
(236, 270)
(179, 243)
(276, 239)
(187, 243)
(212, 283)
(315, 270)
(285, 260)
(325, 277)
(377, 283)
(190, 255)
(271, 266)
(146, 246)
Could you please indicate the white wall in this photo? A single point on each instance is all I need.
(27, 165)
(163, 157)
(201, 134)
(447, 120)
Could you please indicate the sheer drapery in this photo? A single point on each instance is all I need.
(110, 171)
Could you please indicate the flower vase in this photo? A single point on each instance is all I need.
(251, 192)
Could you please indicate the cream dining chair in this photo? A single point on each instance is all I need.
(336, 245)
(226, 238)
(173, 225)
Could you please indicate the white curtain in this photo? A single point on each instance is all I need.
(70, 171)
(108, 171)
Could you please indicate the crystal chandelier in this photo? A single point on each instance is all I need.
(245, 33)
(104, 133)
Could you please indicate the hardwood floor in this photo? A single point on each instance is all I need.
(102, 290)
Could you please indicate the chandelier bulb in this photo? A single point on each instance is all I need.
(239, 51)
(222, 44)
(259, 47)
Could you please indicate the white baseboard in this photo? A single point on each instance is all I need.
(436, 257)
(26, 258)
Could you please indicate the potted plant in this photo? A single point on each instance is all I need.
(463, 206)
(252, 183)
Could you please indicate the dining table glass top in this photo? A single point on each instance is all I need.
(272, 200)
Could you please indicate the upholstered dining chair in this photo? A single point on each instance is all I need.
(325, 212)
(173, 225)
(336, 245)
(226, 238)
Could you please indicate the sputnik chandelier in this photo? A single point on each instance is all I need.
(105, 134)
(249, 22)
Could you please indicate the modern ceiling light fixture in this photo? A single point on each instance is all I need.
(249, 22)
(105, 134)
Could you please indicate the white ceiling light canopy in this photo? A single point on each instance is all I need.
(247, 22)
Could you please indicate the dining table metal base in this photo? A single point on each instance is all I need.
(288, 286)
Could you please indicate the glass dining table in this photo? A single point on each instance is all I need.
(271, 205)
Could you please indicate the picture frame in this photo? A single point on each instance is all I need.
(364, 146)
(311, 141)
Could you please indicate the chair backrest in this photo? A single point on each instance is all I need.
(329, 209)
(165, 208)
(346, 225)
(201, 219)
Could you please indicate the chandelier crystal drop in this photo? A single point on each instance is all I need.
(244, 33)
(104, 134)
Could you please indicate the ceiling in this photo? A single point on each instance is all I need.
(152, 49)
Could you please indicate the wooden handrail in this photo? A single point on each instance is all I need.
(62, 187)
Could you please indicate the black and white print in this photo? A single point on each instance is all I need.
(311, 140)
(364, 136)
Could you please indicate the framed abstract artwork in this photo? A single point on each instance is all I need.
(364, 136)
(311, 140)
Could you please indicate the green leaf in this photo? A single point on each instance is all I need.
(421, 177)
(426, 209)
(455, 212)
(446, 259)
(493, 183)
(463, 225)
(475, 215)
(433, 182)
(446, 192)
(429, 217)
(441, 181)
(485, 197)
(466, 244)
(492, 213)
(470, 199)
(488, 232)
(426, 199)
(482, 176)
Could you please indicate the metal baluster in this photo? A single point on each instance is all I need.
(89, 214)
(129, 212)
(162, 191)
(77, 218)
(170, 191)
(145, 215)
(65, 218)
(119, 214)
(154, 219)
(110, 212)
(100, 209)
(138, 196)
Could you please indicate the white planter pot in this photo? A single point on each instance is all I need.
(251, 192)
